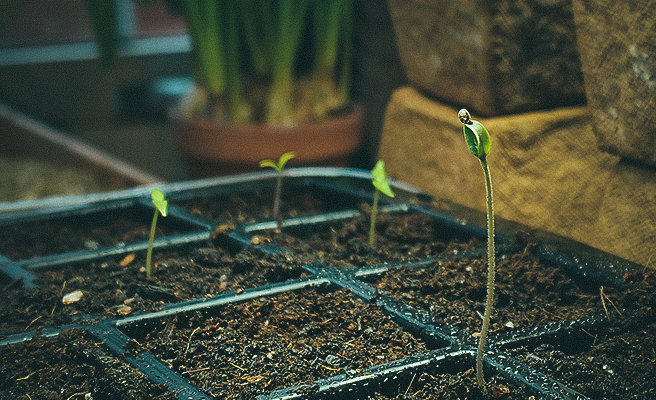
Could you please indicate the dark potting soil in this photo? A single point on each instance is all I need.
(117, 287)
(527, 293)
(454, 386)
(203, 347)
(453, 289)
(72, 366)
(242, 350)
(236, 208)
(112, 228)
(618, 361)
(345, 244)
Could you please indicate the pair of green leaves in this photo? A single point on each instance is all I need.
(476, 136)
(280, 164)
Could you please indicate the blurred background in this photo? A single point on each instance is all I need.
(49, 70)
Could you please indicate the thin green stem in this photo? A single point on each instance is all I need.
(374, 213)
(290, 18)
(204, 23)
(255, 32)
(344, 83)
(276, 199)
(490, 276)
(151, 240)
(239, 112)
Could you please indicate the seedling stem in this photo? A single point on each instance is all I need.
(479, 143)
(161, 205)
(279, 166)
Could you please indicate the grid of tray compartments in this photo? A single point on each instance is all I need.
(209, 213)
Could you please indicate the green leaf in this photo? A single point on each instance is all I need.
(282, 161)
(477, 138)
(379, 179)
(269, 163)
(280, 164)
(159, 200)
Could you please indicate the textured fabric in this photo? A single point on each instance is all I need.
(547, 171)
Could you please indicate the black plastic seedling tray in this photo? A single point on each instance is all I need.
(339, 195)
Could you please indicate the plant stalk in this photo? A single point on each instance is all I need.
(490, 275)
(276, 199)
(289, 28)
(372, 225)
(204, 20)
(239, 111)
(151, 240)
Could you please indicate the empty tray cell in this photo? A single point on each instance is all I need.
(71, 366)
(238, 351)
(453, 384)
(117, 286)
(88, 229)
(614, 362)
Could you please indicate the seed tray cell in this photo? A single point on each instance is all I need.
(39, 238)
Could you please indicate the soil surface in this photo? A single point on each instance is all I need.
(527, 293)
(72, 366)
(118, 286)
(113, 228)
(241, 350)
(345, 244)
(246, 349)
(619, 361)
(296, 201)
(454, 386)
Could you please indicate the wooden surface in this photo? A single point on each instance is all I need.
(24, 137)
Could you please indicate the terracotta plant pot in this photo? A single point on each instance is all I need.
(213, 149)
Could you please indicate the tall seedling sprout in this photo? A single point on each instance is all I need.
(379, 180)
(161, 205)
(479, 143)
(279, 166)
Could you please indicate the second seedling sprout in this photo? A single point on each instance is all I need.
(379, 180)
(479, 143)
(161, 205)
(279, 166)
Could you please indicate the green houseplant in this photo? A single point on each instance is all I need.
(247, 57)
(270, 76)
(274, 68)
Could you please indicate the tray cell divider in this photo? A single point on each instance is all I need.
(145, 362)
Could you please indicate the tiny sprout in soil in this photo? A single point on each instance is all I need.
(161, 204)
(479, 143)
(279, 167)
(379, 180)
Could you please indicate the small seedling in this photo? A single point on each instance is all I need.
(379, 180)
(279, 167)
(161, 204)
(479, 143)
